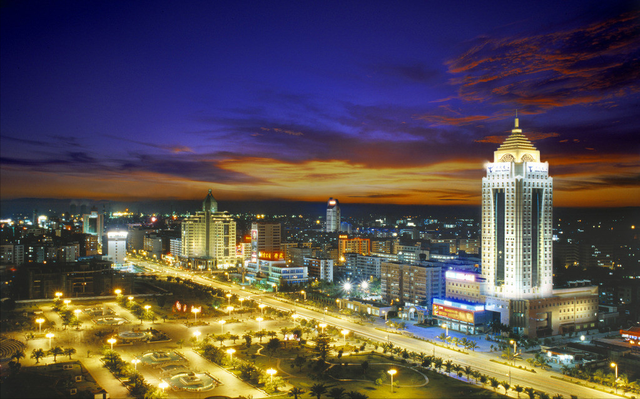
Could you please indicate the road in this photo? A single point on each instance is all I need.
(540, 380)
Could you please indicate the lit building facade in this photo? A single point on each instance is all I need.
(117, 246)
(265, 237)
(363, 267)
(93, 223)
(333, 216)
(209, 238)
(319, 268)
(354, 245)
(517, 196)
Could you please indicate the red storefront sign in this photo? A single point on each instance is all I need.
(452, 313)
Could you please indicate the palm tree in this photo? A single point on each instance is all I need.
(483, 379)
(233, 337)
(18, 354)
(295, 391)
(438, 363)
(336, 393)
(472, 345)
(558, 396)
(457, 368)
(468, 371)
(69, 352)
(272, 334)
(37, 354)
(317, 390)
(356, 395)
(506, 386)
(531, 392)
(260, 334)
(494, 383)
(518, 390)
(448, 365)
(55, 352)
(442, 337)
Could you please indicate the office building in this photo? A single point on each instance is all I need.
(209, 238)
(353, 245)
(363, 267)
(319, 268)
(265, 237)
(333, 216)
(93, 223)
(117, 247)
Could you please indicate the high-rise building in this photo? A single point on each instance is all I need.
(333, 216)
(117, 246)
(209, 238)
(517, 196)
(355, 245)
(93, 223)
(319, 268)
(265, 237)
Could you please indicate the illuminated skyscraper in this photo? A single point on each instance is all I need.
(265, 237)
(333, 216)
(209, 238)
(93, 224)
(517, 196)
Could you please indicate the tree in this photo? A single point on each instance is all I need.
(260, 334)
(17, 355)
(442, 337)
(295, 391)
(69, 352)
(448, 366)
(272, 346)
(558, 396)
(365, 366)
(336, 393)
(356, 395)
(37, 354)
(55, 351)
(322, 347)
(299, 361)
(233, 337)
(483, 379)
(317, 390)
(247, 339)
(438, 363)
(531, 392)
(468, 371)
(518, 389)
(473, 345)
(506, 386)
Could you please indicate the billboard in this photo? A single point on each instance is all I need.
(453, 313)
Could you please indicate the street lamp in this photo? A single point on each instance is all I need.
(303, 292)
(241, 300)
(67, 302)
(446, 327)
(615, 365)
(275, 287)
(77, 313)
(231, 351)
(229, 309)
(195, 312)
(322, 325)
(259, 319)
(515, 350)
(229, 298)
(392, 372)
(344, 335)
(221, 326)
(58, 294)
(50, 335)
(196, 334)
(39, 321)
(339, 303)
(130, 299)
(582, 338)
(295, 316)
(111, 341)
(146, 310)
(262, 306)
(118, 292)
(271, 372)
(135, 363)
(163, 385)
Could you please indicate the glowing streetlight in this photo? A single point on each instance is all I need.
(229, 298)
(231, 351)
(241, 300)
(322, 325)
(195, 312)
(130, 299)
(392, 372)
(40, 321)
(446, 327)
(67, 302)
(262, 306)
(111, 341)
(58, 294)
(221, 326)
(347, 286)
(515, 351)
(275, 287)
(364, 285)
(135, 363)
(118, 292)
(196, 334)
(229, 309)
(582, 338)
(295, 316)
(615, 365)
(339, 303)
(303, 292)
(163, 385)
(50, 335)
(344, 335)
(271, 372)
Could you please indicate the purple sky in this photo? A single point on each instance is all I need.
(398, 102)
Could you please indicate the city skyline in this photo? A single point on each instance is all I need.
(363, 102)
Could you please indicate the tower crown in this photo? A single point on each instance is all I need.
(210, 204)
(516, 148)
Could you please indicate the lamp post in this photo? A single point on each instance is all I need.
(146, 311)
(111, 341)
(118, 292)
(271, 372)
(295, 316)
(130, 299)
(231, 351)
(322, 325)
(615, 365)
(344, 335)
(515, 350)
(40, 321)
(77, 313)
(582, 338)
(241, 300)
(339, 303)
(262, 306)
(392, 372)
(259, 320)
(229, 299)
(50, 335)
(195, 312)
(446, 327)
(58, 294)
(196, 334)
(135, 363)
(221, 326)
(163, 385)
(67, 302)
(229, 309)
(303, 292)
(275, 287)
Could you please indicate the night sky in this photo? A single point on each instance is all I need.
(368, 102)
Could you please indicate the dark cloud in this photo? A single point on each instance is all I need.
(611, 181)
